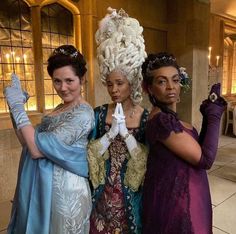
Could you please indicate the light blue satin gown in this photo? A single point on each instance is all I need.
(53, 194)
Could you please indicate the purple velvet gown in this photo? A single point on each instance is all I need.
(176, 198)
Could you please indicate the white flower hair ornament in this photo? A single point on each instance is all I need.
(185, 80)
(121, 48)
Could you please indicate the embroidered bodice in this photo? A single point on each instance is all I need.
(71, 127)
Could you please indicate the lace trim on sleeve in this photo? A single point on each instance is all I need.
(136, 167)
(161, 125)
(97, 171)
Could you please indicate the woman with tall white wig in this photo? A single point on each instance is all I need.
(117, 153)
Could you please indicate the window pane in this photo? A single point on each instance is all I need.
(48, 89)
(57, 29)
(16, 46)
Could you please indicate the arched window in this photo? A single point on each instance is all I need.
(16, 53)
(57, 29)
(17, 49)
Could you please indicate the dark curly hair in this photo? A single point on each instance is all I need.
(153, 62)
(156, 61)
(67, 55)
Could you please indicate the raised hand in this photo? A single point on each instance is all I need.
(16, 100)
(214, 97)
(14, 94)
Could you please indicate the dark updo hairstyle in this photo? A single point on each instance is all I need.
(67, 55)
(153, 62)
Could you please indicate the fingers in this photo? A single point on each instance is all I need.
(15, 81)
(121, 110)
(216, 89)
(26, 96)
(117, 109)
(116, 112)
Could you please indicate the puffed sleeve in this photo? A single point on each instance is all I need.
(161, 125)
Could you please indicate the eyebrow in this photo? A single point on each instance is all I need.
(162, 76)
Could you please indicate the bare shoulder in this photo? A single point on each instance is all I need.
(186, 125)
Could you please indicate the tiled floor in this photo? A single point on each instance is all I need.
(222, 178)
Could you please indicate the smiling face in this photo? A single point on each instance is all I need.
(67, 84)
(118, 87)
(165, 86)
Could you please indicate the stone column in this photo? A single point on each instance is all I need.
(87, 37)
(188, 39)
(38, 56)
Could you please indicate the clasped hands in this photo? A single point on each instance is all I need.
(118, 125)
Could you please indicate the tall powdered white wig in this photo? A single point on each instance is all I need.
(121, 48)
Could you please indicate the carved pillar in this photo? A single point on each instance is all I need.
(38, 56)
(188, 39)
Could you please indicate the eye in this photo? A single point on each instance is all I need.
(120, 83)
(176, 79)
(68, 81)
(109, 84)
(160, 81)
(56, 81)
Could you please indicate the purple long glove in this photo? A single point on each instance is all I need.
(209, 136)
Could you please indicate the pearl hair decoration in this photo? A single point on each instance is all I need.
(64, 52)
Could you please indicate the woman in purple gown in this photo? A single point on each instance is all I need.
(176, 195)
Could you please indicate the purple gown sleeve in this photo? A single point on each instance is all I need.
(161, 125)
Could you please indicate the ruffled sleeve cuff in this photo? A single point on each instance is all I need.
(136, 167)
(96, 161)
(161, 125)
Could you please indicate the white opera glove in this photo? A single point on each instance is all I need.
(123, 131)
(108, 137)
(129, 139)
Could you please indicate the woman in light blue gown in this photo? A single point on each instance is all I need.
(53, 194)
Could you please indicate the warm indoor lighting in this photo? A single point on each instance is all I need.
(217, 60)
(209, 55)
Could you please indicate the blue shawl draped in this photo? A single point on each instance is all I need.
(32, 203)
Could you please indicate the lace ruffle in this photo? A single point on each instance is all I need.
(136, 168)
(97, 171)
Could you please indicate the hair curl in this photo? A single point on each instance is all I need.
(121, 48)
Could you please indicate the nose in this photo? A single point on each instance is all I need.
(114, 88)
(63, 86)
(170, 84)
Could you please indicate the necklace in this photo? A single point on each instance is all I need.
(130, 112)
(65, 107)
